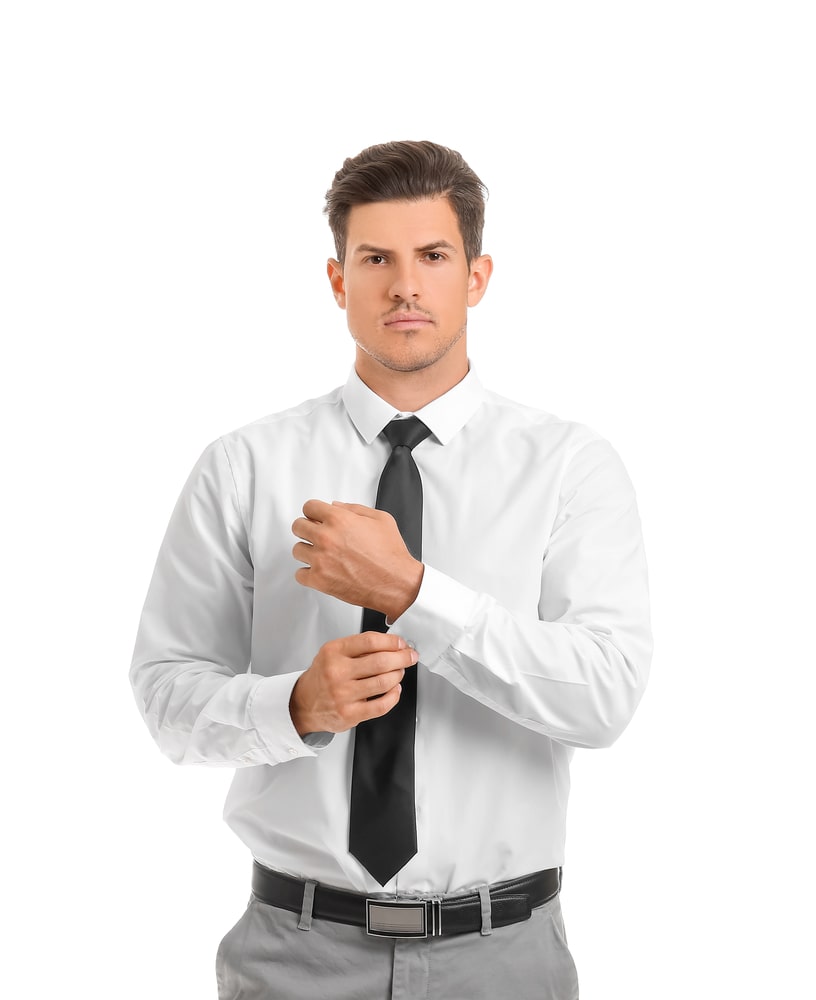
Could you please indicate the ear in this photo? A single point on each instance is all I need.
(480, 271)
(335, 271)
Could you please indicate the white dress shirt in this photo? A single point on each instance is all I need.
(531, 623)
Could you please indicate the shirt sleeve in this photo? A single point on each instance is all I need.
(191, 672)
(575, 671)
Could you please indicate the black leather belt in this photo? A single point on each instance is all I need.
(424, 916)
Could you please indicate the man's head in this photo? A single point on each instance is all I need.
(408, 171)
(407, 218)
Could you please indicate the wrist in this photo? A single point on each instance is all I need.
(405, 592)
(300, 719)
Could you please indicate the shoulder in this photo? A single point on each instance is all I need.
(533, 438)
(278, 436)
(537, 425)
(302, 417)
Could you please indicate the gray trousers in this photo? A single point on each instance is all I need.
(266, 956)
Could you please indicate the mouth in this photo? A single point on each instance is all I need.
(407, 321)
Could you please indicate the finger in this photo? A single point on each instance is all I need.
(303, 552)
(376, 687)
(373, 665)
(361, 643)
(305, 529)
(316, 510)
(378, 707)
(358, 508)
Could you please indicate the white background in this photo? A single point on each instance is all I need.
(651, 169)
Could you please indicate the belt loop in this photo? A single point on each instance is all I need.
(305, 922)
(484, 897)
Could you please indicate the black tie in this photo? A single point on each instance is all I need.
(382, 828)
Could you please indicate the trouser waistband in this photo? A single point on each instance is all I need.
(509, 903)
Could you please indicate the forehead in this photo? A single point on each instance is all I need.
(403, 223)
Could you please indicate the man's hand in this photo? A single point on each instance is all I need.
(356, 554)
(334, 693)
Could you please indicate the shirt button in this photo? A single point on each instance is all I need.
(410, 643)
(292, 751)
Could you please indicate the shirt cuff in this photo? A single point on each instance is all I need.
(441, 612)
(269, 716)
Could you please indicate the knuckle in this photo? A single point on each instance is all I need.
(390, 699)
(345, 646)
(378, 707)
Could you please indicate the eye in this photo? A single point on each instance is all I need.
(433, 256)
(375, 258)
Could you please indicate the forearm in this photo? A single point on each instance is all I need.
(202, 713)
(576, 682)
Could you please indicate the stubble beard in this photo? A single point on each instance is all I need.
(408, 360)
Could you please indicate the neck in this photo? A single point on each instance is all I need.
(410, 391)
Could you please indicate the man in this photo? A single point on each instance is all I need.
(415, 753)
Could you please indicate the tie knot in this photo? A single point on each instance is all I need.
(407, 433)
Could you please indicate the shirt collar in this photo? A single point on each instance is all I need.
(445, 416)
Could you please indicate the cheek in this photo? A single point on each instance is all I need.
(358, 312)
(362, 319)
(363, 297)
(450, 293)
(453, 307)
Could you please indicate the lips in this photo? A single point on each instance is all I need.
(406, 320)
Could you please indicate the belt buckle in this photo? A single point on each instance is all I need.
(403, 918)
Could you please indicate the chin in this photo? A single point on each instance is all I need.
(410, 360)
(410, 363)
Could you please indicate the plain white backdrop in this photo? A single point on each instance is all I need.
(652, 220)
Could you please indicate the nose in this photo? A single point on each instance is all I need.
(406, 283)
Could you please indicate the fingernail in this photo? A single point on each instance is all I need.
(414, 656)
(401, 643)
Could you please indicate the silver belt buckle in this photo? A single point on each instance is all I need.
(403, 918)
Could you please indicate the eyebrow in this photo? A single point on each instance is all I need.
(428, 248)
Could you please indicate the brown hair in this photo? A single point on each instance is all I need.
(408, 171)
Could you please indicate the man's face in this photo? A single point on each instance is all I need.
(406, 284)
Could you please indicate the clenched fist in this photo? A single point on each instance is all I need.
(356, 554)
